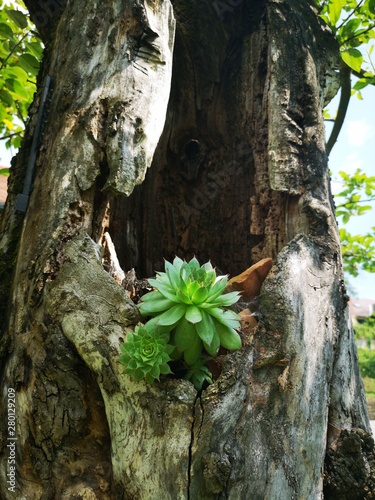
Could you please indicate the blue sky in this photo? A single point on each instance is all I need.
(354, 149)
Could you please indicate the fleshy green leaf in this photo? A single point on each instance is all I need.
(217, 288)
(193, 314)
(177, 262)
(172, 315)
(184, 335)
(155, 306)
(227, 299)
(229, 338)
(164, 289)
(200, 295)
(151, 296)
(173, 275)
(213, 348)
(205, 328)
(194, 265)
(194, 351)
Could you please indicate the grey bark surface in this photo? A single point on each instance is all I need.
(181, 131)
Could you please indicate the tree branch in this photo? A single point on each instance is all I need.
(9, 136)
(12, 51)
(359, 201)
(346, 89)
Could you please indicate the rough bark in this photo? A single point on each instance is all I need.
(235, 141)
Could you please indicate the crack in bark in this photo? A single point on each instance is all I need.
(193, 418)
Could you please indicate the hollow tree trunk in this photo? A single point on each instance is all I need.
(183, 127)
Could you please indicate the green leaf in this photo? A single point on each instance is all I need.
(29, 63)
(152, 326)
(334, 10)
(214, 347)
(171, 316)
(200, 295)
(353, 58)
(6, 97)
(362, 83)
(177, 263)
(155, 306)
(17, 17)
(218, 287)
(227, 299)
(229, 338)
(173, 275)
(35, 48)
(194, 265)
(206, 328)
(350, 28)
(4, 171)
(22, 91)
(194, 351)
(227, 318)
(193, 314)
(6, 31)
(184, 335)
(198, 374)
(345, 217)
(151, 296)
(166, 290)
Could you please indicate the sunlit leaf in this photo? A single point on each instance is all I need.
(18, 18)
(353, 58)
(29, 63)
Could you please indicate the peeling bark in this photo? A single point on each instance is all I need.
(235, 141)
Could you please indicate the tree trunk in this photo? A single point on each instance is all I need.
(183, 127)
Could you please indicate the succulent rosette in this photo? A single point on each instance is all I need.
(189, 302)
(145, 354)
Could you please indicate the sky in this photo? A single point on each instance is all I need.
(354, 149)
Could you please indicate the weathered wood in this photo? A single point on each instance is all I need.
(239, 173)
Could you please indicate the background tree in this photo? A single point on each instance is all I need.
(229, 118)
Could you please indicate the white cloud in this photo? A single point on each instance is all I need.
(359, 131)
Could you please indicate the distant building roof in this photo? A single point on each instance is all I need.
(361, 308)
(3, 188)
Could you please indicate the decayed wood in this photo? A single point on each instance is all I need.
(111, 67)
(237, 173)
(150, 426)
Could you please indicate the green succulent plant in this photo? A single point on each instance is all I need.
(198, 374)
(188, 301)
(145, 354)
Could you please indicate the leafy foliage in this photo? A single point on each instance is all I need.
(145, 354)
(358, 250)
(198, 374)
(20, 55)
(366, 329)
(353, 24)
(367, 362)
(369, 385)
